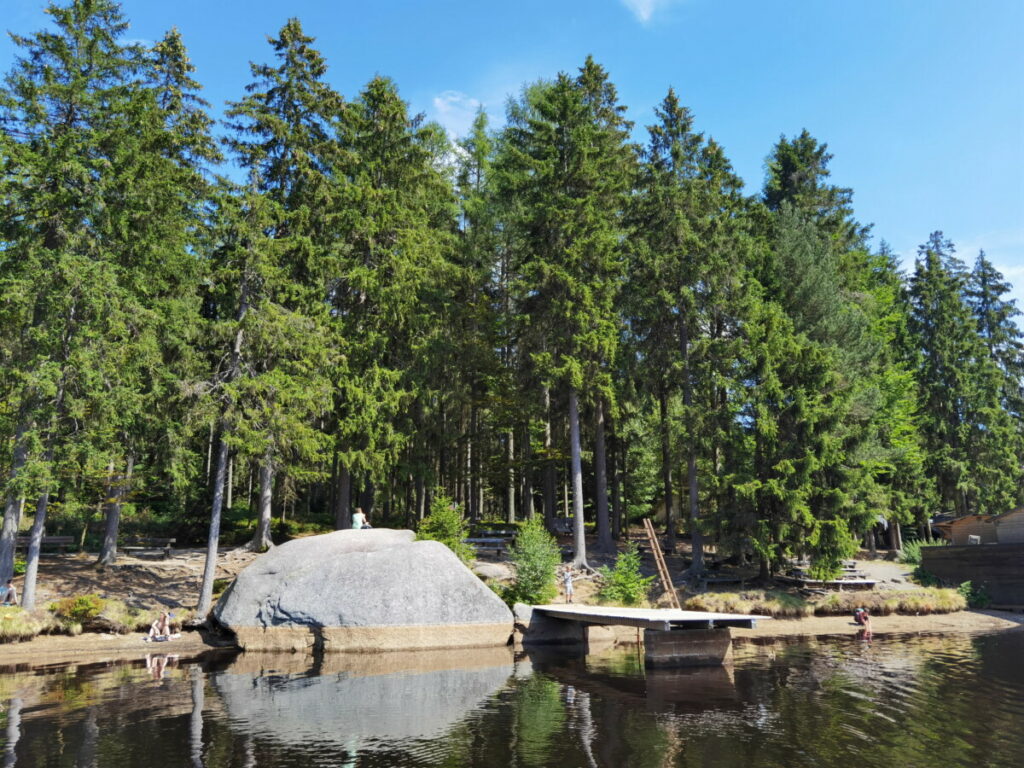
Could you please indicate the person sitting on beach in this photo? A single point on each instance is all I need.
(8, 594)
(862, 617)
(161, 628)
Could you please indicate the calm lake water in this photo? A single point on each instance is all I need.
(898, 703)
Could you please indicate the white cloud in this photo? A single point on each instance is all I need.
(644, 10)
(455, 110)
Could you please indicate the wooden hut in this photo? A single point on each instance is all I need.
(1010, 526)
(957, 531)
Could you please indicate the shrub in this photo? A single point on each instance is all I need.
(624, 584)
(536, 556)
(19, 566)
(445, 524)
(976, 597)
(79, 608)
(911, 554)
(17, 624)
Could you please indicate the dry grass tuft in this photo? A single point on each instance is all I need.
(909, 602)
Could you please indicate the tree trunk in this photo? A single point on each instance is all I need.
(613, 462)
(343, 499)
(527, 485)
(604, 531)
(579, 559)
(696, 537)
(35, 540)
(230, 490)
(897, 540)
(209, 453)
(421, 497)
(12, 507)
(623, 458)
(510, 489)
(115, 497)
(666, 470)
(550, 470)
(261, 540)
(474, 460)
(213, 539)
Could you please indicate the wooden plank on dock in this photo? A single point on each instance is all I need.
(661, 619)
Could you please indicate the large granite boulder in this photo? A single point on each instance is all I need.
(362, 590)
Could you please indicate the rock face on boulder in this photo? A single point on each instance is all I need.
(354, 590)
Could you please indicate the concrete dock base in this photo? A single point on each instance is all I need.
(687, 648)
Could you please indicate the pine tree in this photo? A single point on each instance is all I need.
(567, 161)
(277, 256)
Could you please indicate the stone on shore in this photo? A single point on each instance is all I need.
(362, 590)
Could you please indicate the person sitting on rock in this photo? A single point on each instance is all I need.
(359, 519)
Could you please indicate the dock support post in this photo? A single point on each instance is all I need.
(687, 648)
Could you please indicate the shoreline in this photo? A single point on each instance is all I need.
(61, 650)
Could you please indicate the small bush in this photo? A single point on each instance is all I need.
(976, 596)
(19, 566)
(624, 584)
(911, 554)
(17, 624)
(536, 556)
(445, 524)
(79, 608)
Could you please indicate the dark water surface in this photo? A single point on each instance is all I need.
(898, 703)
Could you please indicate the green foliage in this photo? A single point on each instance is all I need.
(830, 544)
(975, 595)
(624, 584)
(536, 557)
(445, 524)
(911, 553)
(79, 608)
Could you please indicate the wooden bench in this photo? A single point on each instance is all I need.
(60, 542)
(149, 544)
(496, 545)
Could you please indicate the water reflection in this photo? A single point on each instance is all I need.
(357, 702)
(910, 703)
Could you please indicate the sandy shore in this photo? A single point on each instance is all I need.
(57, 650)
(937, 624)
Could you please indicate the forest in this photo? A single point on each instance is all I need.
(325, 302)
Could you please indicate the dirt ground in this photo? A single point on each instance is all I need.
(141, 582)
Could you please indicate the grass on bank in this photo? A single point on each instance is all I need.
(783, 605)
(80, 613)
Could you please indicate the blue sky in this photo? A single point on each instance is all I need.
(920, 101)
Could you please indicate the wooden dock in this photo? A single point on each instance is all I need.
(659, 619)
(672, 638)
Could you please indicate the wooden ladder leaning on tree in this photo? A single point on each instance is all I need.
(659, 561)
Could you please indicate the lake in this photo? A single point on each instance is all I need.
(894, 702)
